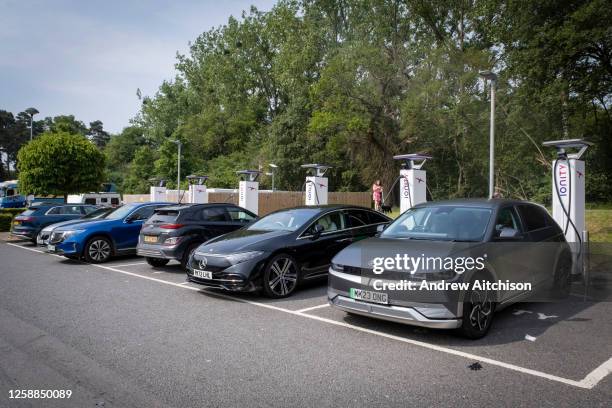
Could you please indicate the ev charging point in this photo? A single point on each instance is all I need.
(248, 190)
(158, 192)
(197, 189)
(317, 186)
(413, 180)
(568, 180)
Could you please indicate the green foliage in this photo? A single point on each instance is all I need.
(12, 211)
(353, 83)
(5, 222)
(60, 164)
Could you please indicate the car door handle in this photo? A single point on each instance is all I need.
(345, 240)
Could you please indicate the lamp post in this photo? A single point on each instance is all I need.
(492, 78)
(31, 112)
(274, 167)
(178, 176)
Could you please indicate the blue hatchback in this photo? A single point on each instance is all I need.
(98, 240)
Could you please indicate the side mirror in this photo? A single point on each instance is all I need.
(380, 228)
(509, 233)
(318, 229)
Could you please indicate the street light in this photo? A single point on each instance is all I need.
(178, 177)
(491, 77)
(274, 167)
(31, 112)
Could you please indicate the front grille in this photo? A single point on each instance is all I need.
(56, 237)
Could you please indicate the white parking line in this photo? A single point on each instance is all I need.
(308, 309)
(130, 264)
(588, 382)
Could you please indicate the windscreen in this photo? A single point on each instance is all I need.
(443, 223)
(289, 220)
(120, 212)
(99, 213)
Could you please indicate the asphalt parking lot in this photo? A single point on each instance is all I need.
(126, 334)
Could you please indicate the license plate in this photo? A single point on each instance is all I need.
(369, 296)
(150, 238)
(202, 274)
(51, 248)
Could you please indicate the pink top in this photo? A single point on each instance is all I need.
(377, 192)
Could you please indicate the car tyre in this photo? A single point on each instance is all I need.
(280, 277)
(478, 311)
(563, 275)
(98, 250)
(157, 262)
(187, 253)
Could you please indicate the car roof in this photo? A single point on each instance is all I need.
(180, 207)
(476, 202)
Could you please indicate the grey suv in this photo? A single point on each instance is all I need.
(175, 232)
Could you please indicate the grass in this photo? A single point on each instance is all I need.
(599, 222)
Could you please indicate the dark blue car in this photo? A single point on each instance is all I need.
(98, 240)
(29, 223)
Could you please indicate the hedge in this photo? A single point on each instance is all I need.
(12, 211)
(5, 222)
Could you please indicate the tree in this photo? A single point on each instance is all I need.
(97, 134)
(60, 164)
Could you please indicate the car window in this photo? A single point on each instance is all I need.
(114, 201)
(70, 210)
(284, 220)
(143, 213)
(91, 201)
(357, 218)
(377, 218)
(104, 200)
(191, 215)
(88, 210)
(214, 214)
(54, 211)
(534, 217)
(507, 218)
(237, 214)
(330, 222)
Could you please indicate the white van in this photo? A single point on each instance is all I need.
(101, 199)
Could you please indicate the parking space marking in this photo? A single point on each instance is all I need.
(588, 382)
(130, 264)
(308, 309)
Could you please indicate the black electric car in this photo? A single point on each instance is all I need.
(496, 252)
(282, 249)
(174, 232)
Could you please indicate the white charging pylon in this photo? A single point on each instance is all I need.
(316, 185)
(413, 180)
(568, 180)
(197, 189)
(158, 193)
(248, 190)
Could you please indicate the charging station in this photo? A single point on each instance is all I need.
(316, 185)
(197, 189)
(413, 180)
(158, 193)
(568, 205)
(248, 190)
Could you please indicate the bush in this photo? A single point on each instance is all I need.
(5, 222)
(12, 211)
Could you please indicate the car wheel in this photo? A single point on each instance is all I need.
(562, 278)
(98, 250)
(280, 277)
(478, 311)
(190, 250)
(157, 262)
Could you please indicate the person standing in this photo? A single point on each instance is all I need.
(377, 194)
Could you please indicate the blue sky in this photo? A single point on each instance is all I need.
(88, 57)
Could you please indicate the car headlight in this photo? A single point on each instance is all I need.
(70, 233)
(434, 276)
(47, 229)
(242, 256)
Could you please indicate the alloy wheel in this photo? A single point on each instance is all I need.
(99, 250)
(283, 276)
(482, 309)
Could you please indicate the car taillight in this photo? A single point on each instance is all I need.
(172, 226)
(26, 219)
